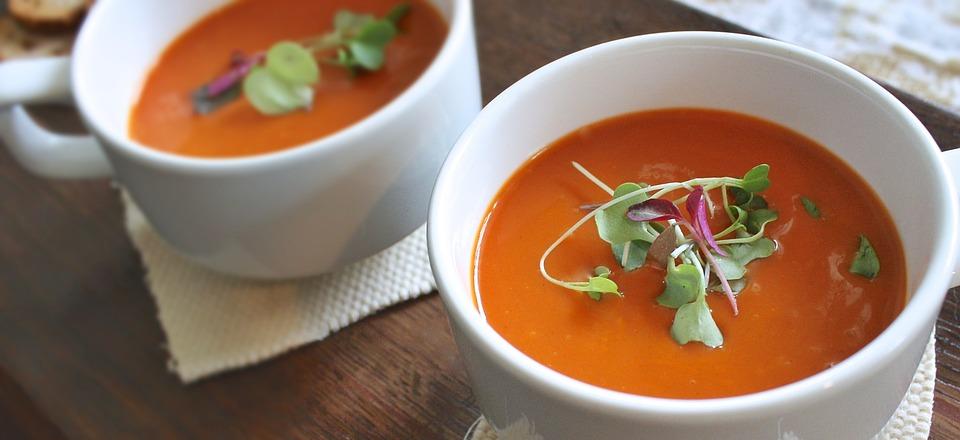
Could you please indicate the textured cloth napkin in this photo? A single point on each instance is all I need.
(912, 44)
(215, 323)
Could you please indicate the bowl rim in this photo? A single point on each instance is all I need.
(459, 34)
(893, 341)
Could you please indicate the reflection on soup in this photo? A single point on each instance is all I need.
(807, 253)
(165, 118)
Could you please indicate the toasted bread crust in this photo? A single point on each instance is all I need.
(49, 15)
(18, 42)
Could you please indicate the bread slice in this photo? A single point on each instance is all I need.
(17, 42)
(49, 15)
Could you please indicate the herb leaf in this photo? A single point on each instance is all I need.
(638, 253)
(734, 266)
(746, 200)
(739, 217)
(811, 207)
(271, 95)
(292, 63)
(740, 197)
(758, 218)
(731, 268)
(736, 286)
(683, 284)
(693, 322)
(756, 180)
(397, 13)
(348, 23)
(600, 283)
(368, 46)
(747, 252)
(613, 224)
(865, 262)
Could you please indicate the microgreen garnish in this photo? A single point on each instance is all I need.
(698, 209)
(694, 322)
(759, 218)
(756, 179)
(746, 200)
(682, 285)
(612, 223)
(283, 78)
(661, 248)
(810, 207)
(640, 224)
(636, 255)
(734, 265)
(865, 263)
(600, 283)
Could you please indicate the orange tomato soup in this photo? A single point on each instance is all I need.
(164, 119)
(801, 313)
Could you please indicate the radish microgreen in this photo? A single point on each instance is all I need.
(694, 322)
(283, 78)
(640, 224)
(682, 285)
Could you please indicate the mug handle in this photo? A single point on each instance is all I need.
(952, 159)
(37, 149)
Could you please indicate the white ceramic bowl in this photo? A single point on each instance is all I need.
(814, 95)
(296, 212)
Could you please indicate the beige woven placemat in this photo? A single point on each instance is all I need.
(215, 322)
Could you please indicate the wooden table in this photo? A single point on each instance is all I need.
(81, 352)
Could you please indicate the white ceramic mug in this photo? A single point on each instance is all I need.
(297, 212)
(812, 94)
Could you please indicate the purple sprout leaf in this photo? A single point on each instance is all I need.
(238, 70)
(654, 210)
(226, 87)
(697, 207)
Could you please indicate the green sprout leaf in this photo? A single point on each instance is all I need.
(756, 179)
(740, 197)
(349, 23)
(693, 322)
(746, 200)
(638, 253)
(292, 63)
(747, 252)
(683, 284)
(369, 44)
(865, 262)
(271, 95)
(601, 283)
(736, 286)
(734, 265)
(758, 218)
(612, 223)
(811, 207)
(731, 268)
(739, 217)
(397, 13)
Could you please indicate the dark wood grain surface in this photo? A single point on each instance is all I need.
(81, 352)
